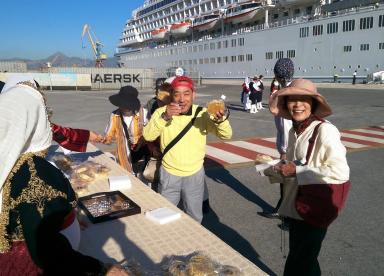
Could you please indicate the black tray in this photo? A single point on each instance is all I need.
(106, 206)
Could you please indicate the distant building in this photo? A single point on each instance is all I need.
(13, 67)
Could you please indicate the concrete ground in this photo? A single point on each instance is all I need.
(354, 242)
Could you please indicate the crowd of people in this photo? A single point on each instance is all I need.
(39, 231)
(252, 94)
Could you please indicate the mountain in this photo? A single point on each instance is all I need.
(61, 60)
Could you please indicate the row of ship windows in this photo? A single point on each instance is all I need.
(214, 60)
(348, 26)
(240, 58)
(292, 53)
(268, 55)
(280, 54)
(363, 47)
(201, 48)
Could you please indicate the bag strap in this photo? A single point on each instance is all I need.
(125, 128)
(183, 132)
(311, 142)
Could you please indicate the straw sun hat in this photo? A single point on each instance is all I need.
(300, 87)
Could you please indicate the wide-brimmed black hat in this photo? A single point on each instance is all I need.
(126, 98)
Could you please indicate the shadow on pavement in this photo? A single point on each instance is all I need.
(221, 175)
(237, 107)
(212, 222)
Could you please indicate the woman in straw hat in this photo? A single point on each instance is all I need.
(316, 175)
(39, 231)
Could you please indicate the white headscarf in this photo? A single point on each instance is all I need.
(15, 79)
(170, 80)
(24, 127)
(246, 81)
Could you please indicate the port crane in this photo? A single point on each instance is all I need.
(96, 45)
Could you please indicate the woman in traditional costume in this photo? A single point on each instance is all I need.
(39, 231)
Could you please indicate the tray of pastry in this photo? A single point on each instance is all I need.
(106, 206)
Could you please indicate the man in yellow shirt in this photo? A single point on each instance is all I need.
(182, 172)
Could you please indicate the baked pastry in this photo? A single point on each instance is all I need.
(262, 159)
(63, 162)
(177, 268)
(228, 270)
(215, 106)
(201, 265)
(164, 96)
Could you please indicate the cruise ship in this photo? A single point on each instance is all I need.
(230, 39)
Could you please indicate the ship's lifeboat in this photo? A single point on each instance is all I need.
(180, 28)
(240, 13)
(159, 33)
(205, 22)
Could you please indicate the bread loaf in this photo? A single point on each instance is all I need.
(262, 159)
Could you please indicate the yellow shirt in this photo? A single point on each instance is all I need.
(186, 157)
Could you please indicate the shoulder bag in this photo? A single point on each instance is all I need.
(151, 171)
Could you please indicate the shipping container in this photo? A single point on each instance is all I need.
(112, 78)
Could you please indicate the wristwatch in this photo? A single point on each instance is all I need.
(165, 117)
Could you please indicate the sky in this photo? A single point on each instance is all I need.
(37, 29)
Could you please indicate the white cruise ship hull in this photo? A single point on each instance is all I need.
(254, 49)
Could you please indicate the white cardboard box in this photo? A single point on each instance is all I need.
(163, 215)
(117, 183)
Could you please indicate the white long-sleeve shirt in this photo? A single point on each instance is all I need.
(327, 164)
(283, 126)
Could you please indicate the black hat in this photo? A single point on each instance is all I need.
(126, 98)
(159, 82)
(284, 69)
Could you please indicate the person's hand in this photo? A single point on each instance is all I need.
(95, 137)
(106, 140)
(286, 169)
(117, 270)
(218, 116)
(173, 109)
(283, 156)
